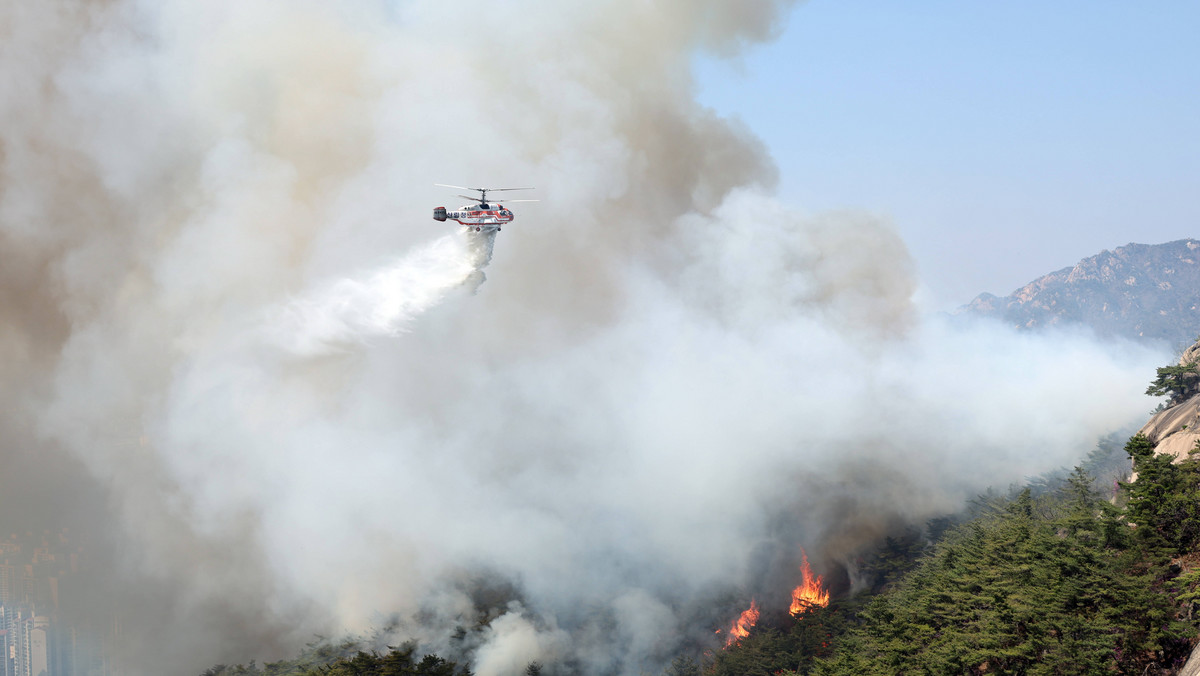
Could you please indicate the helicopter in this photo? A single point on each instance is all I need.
(482, 216)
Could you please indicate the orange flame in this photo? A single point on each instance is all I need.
(809, 594)
(741, 626)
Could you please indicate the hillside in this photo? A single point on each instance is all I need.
(1148, 292)
(1067, 575)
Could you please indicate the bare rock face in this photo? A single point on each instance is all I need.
(1176, 429)
(1145, 292)
(1192, 667)
(1190, 355)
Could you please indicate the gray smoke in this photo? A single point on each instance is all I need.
(224, 298)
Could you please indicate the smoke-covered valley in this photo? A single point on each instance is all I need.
(238, 350)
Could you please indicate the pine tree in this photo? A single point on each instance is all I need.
(1037, 585)
(1178, 382)
(1164, 500)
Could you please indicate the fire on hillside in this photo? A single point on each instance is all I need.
(740, 628)
(810, 593)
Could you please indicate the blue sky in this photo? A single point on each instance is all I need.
(1003, 140)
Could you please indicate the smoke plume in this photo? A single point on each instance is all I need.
(238, 348)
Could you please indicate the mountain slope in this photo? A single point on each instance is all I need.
(1148, 292)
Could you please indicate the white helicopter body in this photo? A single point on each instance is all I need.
(482, 216)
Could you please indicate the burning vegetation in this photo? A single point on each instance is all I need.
(810, 593)
(740, 628)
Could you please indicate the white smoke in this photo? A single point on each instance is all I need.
(219, 215)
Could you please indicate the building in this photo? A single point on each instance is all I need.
(28, 639)
(42, 631)
(6, 666)
(10, 580)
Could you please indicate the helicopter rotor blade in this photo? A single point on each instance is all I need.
(463, 187)
(511, 201)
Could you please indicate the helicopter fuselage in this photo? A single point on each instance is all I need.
(482, 217)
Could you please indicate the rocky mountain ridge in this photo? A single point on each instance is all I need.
(1144, 292)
